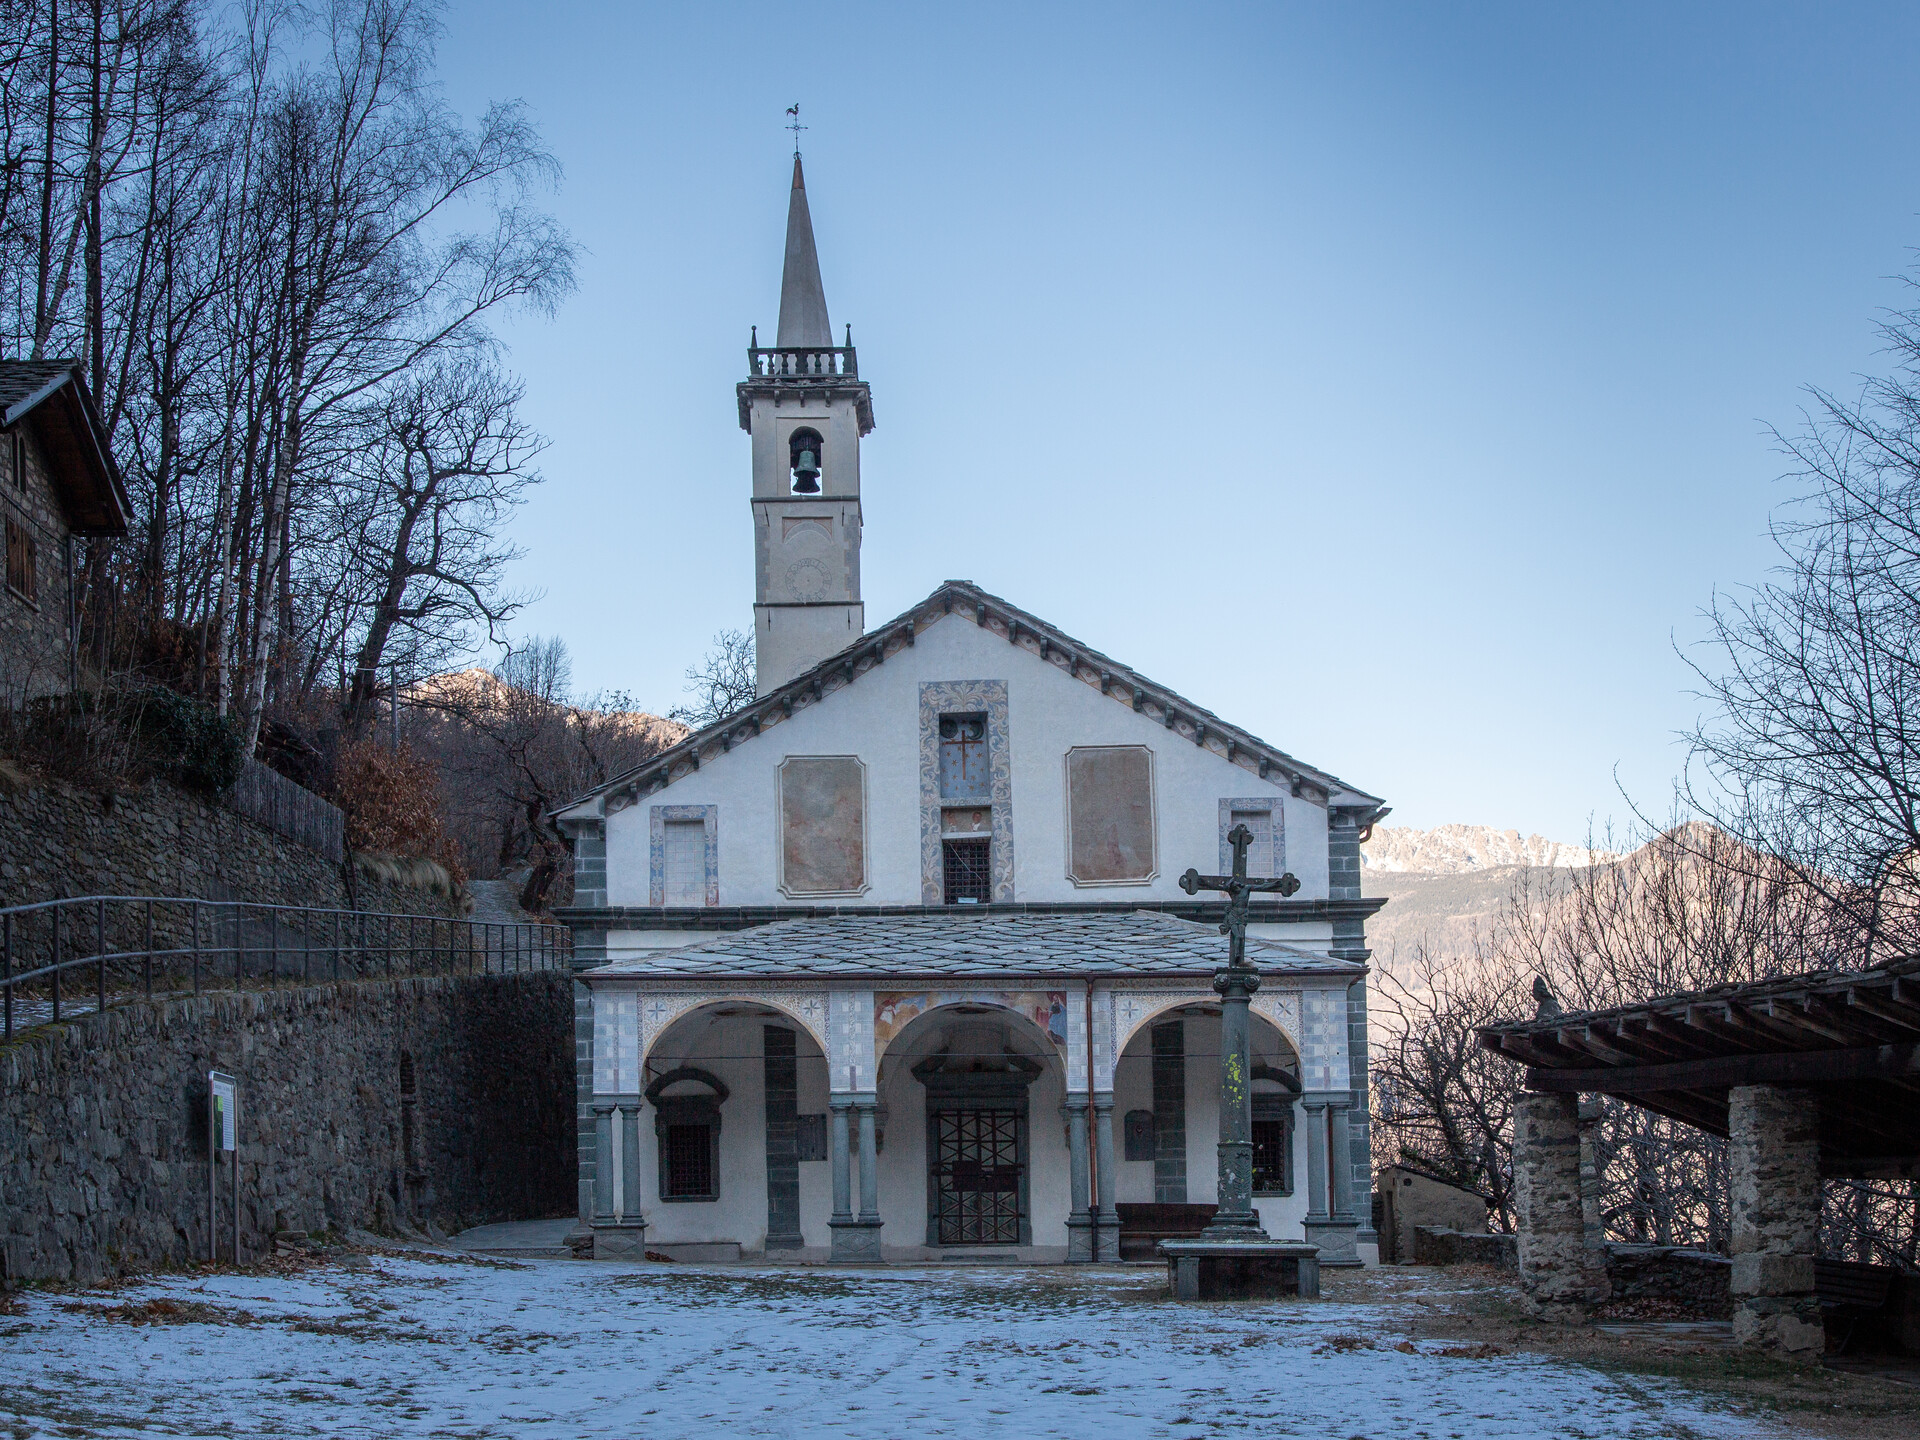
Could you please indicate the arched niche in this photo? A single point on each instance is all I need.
(971, 1068)
(1157, 1006)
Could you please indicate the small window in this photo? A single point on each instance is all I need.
(963, 758)
(1259, 824)
(1272, 1157)
(23, 562)
(16, 451)
(967, 877)
(689, 1163)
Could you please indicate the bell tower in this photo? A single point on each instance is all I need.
(806, 407)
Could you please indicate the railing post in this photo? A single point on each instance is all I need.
(273, 944)
(413, 945)
(306, 946)
(6, 966)
(146, 967)
(193, 909)
(56, 964)
(336, 945)
(387, 926)
(239, 946)
(100, 955)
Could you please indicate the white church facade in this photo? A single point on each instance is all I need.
(891, 964)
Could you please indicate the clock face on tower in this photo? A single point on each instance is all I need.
(808, 580)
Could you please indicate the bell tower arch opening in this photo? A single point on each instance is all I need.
(807, 409)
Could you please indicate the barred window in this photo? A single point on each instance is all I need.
(968, 876)
(1272, 1168)
(23, 562)
(964, 770)
(689, 1162)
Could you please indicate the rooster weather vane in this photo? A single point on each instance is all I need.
(793, 118)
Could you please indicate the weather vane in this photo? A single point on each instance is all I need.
(793, 115)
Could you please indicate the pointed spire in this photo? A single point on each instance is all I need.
(803, 302)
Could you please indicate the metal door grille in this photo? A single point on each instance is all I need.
(976, 1175)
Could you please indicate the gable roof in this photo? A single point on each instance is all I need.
(973, 944)
(963, 598)
(81, 467)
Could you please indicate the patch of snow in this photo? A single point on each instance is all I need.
(562, 1350)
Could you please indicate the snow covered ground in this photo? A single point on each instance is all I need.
(566, 1350)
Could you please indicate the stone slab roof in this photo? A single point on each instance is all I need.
(81, 469)
(1139, 942)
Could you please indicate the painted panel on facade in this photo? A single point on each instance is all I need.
(894, 1010)
(1110, 820)
(686, 863)
(823, 825)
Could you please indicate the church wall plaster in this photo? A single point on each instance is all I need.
(878, 718)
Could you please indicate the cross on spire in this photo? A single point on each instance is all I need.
(793, 124)
(1238, 888)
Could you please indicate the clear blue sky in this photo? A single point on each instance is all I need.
(1391, 380)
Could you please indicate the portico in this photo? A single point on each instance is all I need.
(902, 1089)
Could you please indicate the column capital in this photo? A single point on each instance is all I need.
(1076, 1100)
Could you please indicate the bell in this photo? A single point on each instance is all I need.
(806, 474)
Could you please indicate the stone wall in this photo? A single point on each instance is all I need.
(1694, 1279)
(59, 839)
(103, 1120)
(1433, 1245)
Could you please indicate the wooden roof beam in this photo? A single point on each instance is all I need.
(1881, 1004)
(1791, 1067)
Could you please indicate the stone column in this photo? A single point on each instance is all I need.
(842, 1220)
(1560, 1274)
(1773, 1155)
(630, 1212)
(1330, 1221)
(1106, 1234)
(1080, 1228)
(603, 1121)
(869, 1164)
(1233, 1217)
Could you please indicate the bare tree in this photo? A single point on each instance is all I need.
(721, 683)
(1811, 750)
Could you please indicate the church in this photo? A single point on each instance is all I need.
(891, 965)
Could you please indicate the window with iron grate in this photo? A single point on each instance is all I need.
(967, 874)
(689, 1162)
(1272, 1170)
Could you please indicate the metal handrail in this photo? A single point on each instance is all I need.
(368, 942)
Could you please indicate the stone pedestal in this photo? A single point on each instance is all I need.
(1335, 1240)
(1560, 1273)
(1773, 1156)
(1241, 1270)
(613, 1240)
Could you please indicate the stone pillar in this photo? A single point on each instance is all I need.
(1560, 1274)
(1592, 1221)
(1233, 1217)
(1773, 1154)
(1330, 1222)
(629, 1208)
(840, 1158)
(603, 1120)
(1106, 1235)
(869, 1164)
(1080, 1184)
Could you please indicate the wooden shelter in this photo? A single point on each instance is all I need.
(1810, 1077)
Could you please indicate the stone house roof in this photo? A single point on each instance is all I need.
(68, 427)
(967, 944)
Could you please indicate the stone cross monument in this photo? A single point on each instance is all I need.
(1234, 1258)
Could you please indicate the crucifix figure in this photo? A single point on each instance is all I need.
(1234, 1219)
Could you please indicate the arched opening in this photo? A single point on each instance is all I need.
(732, 1157)
(804, 454)
(1166, 1091)
(971, 1096)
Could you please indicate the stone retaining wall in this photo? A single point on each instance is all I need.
(57, 839)
(1695, 1279)
(103, 1129)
